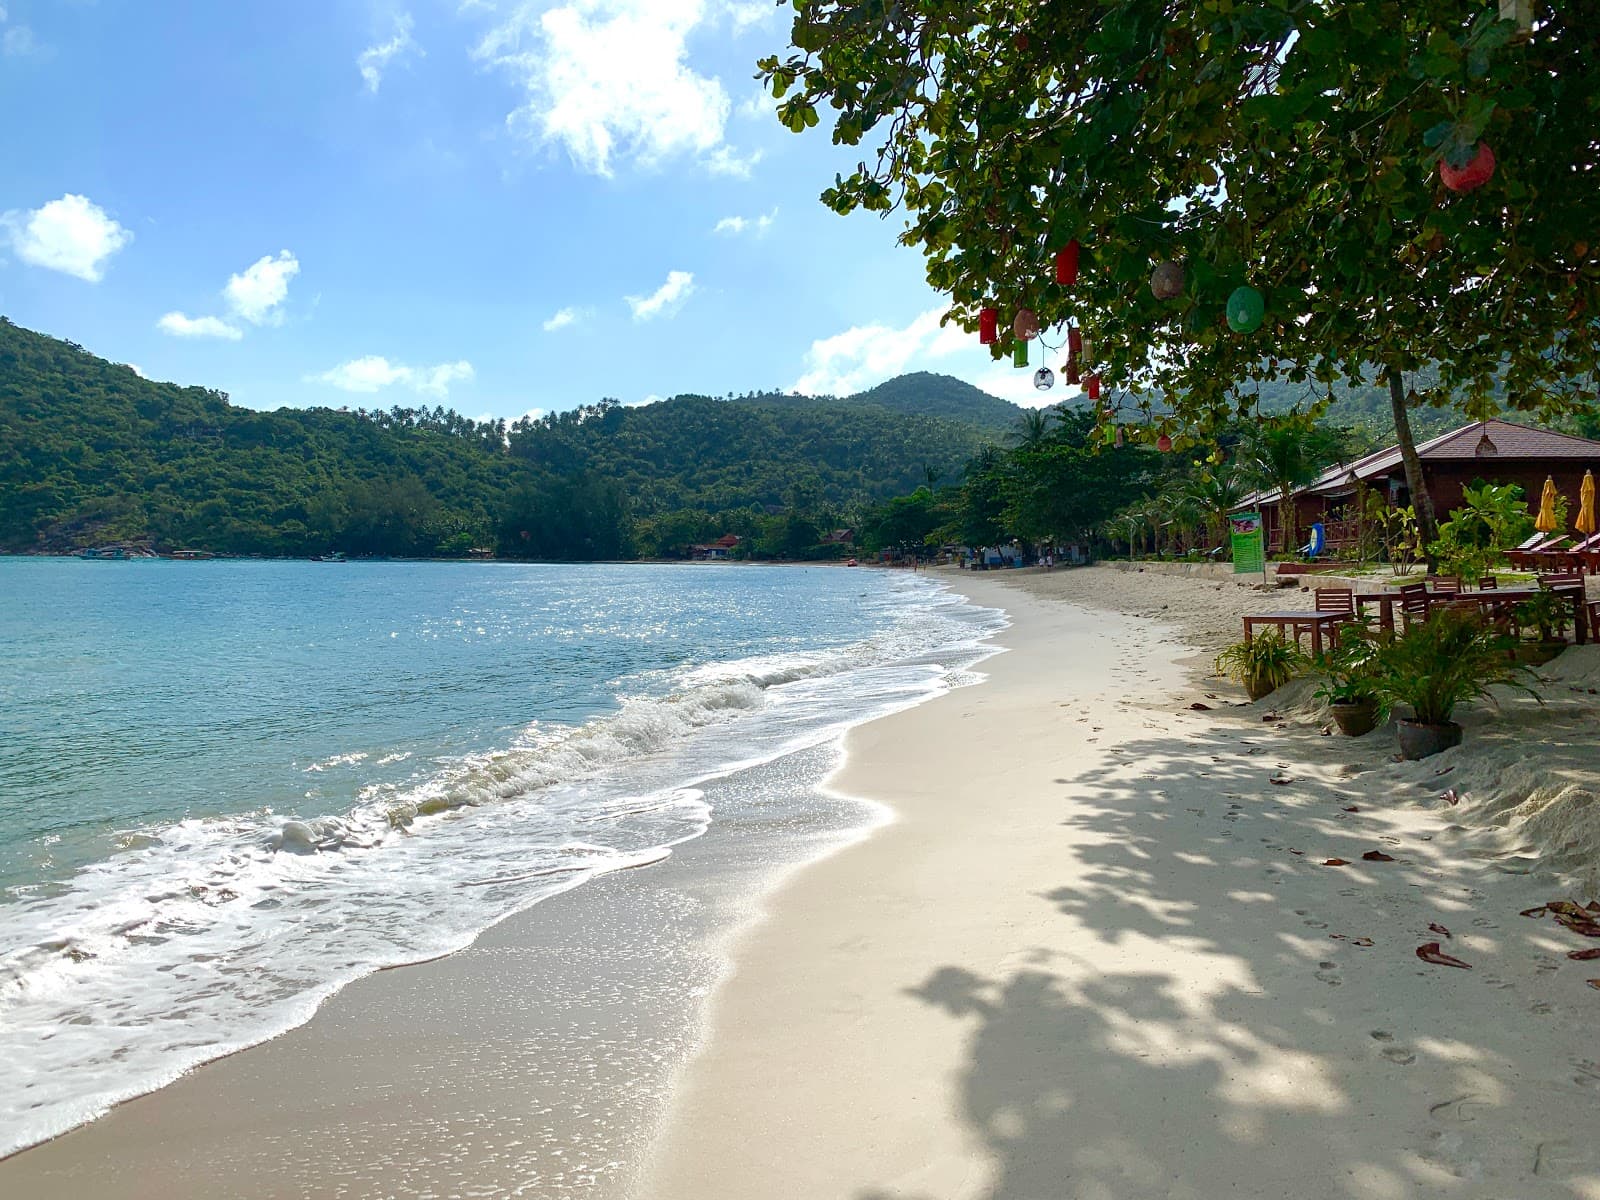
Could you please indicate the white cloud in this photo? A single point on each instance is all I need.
(666, 299)
(866, 355)
(725, 160)
(564, 318)
(744, 15)
(374, 60)
(734, 226)
(257, 294)
(610, 79)
(72, 235)
(136, 369)
(374, 373)
(19, 42)
(179, 325)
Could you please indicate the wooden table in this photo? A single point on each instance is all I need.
(1386, 601)
(1294, 622)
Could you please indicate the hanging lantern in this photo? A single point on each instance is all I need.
(1067, 264)
(1044, 379)
(1088, 351)
(1019, 354)
(1246, 309)
(1091, 387)
(988, 326)
(1520, 11)
(1163, 443)
(1473, 175)
(1166, 281)
(1070, 375)
(1120, 438)
(1026, 326)
(1075, 342)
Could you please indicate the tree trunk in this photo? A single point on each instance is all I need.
(1421, 501)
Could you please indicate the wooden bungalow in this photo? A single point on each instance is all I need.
(1494, 451)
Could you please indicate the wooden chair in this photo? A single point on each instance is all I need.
(1414, 602)
(1488, 583)
(1336, 600)
(1561, 579)
(1446, 585)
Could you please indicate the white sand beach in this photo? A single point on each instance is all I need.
(1094, 955)
(1098, 956)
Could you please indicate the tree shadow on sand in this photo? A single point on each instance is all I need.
(1255, 1046)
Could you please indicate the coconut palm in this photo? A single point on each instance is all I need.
(1286, 453)
(1218, 493)
(1033, 429)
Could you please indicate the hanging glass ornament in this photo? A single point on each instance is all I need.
(1087, 356)
(1091, 387)
(1163, 443)
(1019, 354)
(1471, 175)
(1044, 379)
(1067, 264)
(1026, 326)
(1246, 309)
(988, 326)
(1166, 281)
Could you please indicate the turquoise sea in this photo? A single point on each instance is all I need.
(229, 788)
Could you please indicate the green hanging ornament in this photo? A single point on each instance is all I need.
(1246, 309)
(1019, 354)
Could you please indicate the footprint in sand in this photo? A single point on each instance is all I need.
(1459, 1110)
(1350, 891)
(1484, 923)
(1544, 963)
(1329, 974)
(1561, 1157)
(1382, 1035)
(1541, 1008)
(1398, 1055)
(1495, 981)
(1588, 1075)
(1315, 924)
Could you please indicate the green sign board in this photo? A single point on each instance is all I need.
(1249, 550)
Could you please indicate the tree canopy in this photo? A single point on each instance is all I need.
(1292, 148)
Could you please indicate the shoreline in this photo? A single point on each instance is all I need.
(1091, 955)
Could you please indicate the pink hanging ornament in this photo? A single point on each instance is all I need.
(1472, 176)
(1026, 326)
(1163, 443)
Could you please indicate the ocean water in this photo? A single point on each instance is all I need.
(229, 788)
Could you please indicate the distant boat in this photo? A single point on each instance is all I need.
(116, 553)
(332, 556)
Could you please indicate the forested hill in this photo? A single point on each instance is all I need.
(924, 394)
(90, 453)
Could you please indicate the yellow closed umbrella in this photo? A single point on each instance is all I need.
(1547, 507)
(1586, 522)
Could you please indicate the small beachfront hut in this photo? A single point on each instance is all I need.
(1489, 451)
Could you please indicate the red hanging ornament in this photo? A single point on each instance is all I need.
(1091, 387)
(1067, 264)
(1075, 342)
(988, 326)
(1473, 175)
(1163, 443)
(1069, 373)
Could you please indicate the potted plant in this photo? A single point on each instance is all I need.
(1263, 664)
(1548, 614)
(1434, 666)
(1349, 682)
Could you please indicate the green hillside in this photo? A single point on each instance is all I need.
(90, 452)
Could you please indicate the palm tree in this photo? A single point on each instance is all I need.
(1033, 429)
(1287, 453)
(1217, 494)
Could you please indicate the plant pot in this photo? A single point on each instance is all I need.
(1536, 654)
(1422, 741)
(1356, 719)
(1256, 687)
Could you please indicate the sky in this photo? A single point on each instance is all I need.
(502, 206)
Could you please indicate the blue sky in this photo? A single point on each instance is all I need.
(497, 205)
